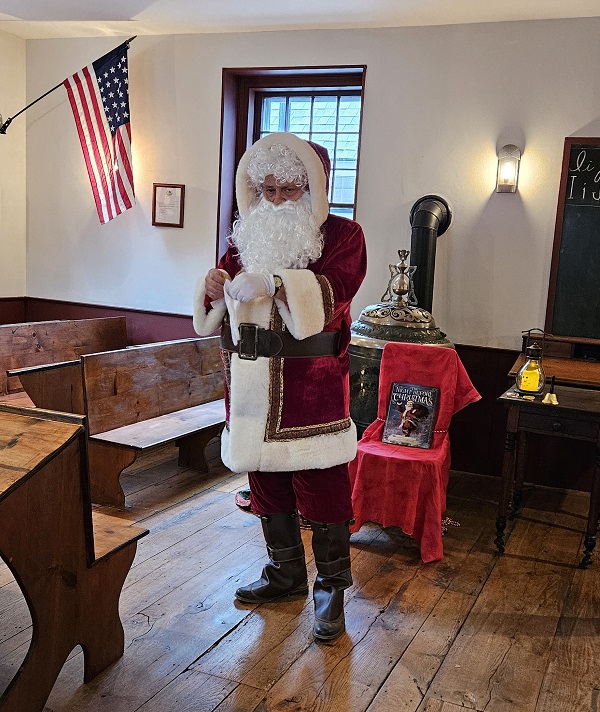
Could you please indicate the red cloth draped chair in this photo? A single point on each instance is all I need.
(401, 486)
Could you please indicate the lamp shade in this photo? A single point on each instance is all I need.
(509, 157)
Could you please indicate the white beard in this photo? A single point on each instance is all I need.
(273, 237)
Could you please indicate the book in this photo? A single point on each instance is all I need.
(411, 416)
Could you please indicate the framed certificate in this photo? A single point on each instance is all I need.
(167, 204)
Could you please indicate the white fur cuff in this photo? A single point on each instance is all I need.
(206, 323)
(305, 314)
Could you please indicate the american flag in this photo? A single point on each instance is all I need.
(99, 98)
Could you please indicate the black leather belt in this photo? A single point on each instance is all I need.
(255, 342)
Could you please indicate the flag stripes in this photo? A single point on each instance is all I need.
(98, 96)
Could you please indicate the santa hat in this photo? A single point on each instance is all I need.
(314, 158)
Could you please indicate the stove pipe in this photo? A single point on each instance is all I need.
(430, 216)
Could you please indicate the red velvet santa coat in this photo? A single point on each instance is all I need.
(293, 414)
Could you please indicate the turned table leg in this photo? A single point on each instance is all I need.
(508, 475)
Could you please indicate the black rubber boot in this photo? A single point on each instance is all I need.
(285, 574)
(331, 547)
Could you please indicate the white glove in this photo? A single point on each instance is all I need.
(232, 308)
(250, 285)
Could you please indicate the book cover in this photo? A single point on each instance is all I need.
(411, 415)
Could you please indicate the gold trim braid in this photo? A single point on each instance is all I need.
(328, 299)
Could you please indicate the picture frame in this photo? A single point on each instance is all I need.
(168, 200)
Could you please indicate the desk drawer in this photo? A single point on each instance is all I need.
(559, 425)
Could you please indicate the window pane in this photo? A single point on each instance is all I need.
(343, 212)
(346, 151)
(343, 186)
(273, 115)
(324, 117)
(299, 114)
(349, 113)
(327, 140)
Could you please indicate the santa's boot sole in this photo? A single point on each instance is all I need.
(250, 597)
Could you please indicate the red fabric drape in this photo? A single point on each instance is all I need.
(395, 485)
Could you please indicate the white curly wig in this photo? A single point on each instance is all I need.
(278, 161)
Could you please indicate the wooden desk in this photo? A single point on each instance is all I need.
(577, 416)
(70, 562)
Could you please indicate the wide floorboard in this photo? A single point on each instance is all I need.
(474, 631)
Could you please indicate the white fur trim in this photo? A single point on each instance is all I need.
(305, 314)
(206, 323)
(246, 193)
(248, 408)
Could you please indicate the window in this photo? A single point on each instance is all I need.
(321, 104)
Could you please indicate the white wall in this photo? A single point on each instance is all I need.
(12, 168)
(438, 102)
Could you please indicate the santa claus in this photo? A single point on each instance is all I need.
(282, 295)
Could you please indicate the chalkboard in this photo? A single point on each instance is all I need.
(574, 290)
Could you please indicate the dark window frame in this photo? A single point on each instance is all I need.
(238, 118)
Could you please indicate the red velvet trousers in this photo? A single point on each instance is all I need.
(322, 496)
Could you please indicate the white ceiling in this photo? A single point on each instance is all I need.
(39, 19)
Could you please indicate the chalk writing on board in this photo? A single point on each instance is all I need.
(583, 181)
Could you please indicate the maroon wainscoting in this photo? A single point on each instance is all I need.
(12, 310)
(143, 327)
(477, 433)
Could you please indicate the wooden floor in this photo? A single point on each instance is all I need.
(475, 631)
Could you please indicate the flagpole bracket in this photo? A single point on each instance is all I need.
(5, 125)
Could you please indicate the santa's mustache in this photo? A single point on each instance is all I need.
(289, 206)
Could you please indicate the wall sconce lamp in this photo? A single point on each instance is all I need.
(509, 157)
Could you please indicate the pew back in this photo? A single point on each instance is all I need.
(133, 385)
(43, 342)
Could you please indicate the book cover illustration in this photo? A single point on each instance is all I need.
(411, 415)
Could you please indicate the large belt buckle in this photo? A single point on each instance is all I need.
(248, 343)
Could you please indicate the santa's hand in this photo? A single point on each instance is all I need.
(250, 285)
(214, 283)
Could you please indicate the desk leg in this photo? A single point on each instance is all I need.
(508, 475)
(517, 495)
(592, 523)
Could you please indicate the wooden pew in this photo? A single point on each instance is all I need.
(43, 342)
(53, 386)
(143, 397)
(69, 562)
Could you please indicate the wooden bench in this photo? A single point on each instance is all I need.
(70, 562)
(43, 342)
(147, 396)
(53, 386)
